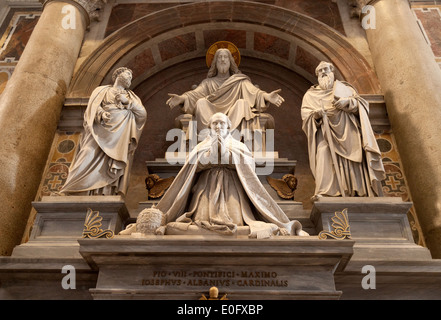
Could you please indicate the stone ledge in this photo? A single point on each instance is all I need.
(205, 247)
(41, 279)
(121, 294)
(379, 226)
(185, 267)
(394, 279)
(60, 222)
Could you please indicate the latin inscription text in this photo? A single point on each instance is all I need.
(215, 278)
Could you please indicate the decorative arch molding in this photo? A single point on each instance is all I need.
(165, 38)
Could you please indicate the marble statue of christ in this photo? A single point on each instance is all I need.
(228, 91)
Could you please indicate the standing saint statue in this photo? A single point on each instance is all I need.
(113, 123)
(343, 153)
(228, 91)
(217, 189)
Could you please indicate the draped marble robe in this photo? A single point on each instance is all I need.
(106, 150)
(223, 195)
(358, 156)
(236, 97)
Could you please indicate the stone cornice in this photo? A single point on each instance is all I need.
(372, 2)
(92, 8)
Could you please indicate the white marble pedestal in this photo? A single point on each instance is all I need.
(379, 226)
(384, 250)
(184, 267)
(60, 222)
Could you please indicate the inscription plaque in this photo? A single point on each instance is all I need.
(215, 278)
(178, 267)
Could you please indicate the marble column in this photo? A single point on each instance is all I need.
(411, 81)
(30, 109)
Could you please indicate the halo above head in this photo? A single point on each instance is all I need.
(222, 45)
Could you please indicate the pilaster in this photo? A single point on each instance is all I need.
(30, 108)
(411, 81)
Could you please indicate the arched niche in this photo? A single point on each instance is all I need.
(168, 37)
(166, 51)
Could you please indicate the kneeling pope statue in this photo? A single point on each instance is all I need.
(217, 189)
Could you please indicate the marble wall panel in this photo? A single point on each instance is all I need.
(429, 19)
(17, 33)
(178, 45)
(141, 63)
(306, 60)
(272, 45)
(325, 11)
(14, 35)
(63, 151)
(123, 14)
(395, 185)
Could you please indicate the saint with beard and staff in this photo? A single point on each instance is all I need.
(344, 156)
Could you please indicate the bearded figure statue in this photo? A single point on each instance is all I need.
(344, 156)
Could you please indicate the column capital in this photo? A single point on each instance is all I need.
(356, 6)
(92, 8)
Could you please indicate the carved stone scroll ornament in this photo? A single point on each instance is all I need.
(285, 187)
(340, 224)
(92, 226)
